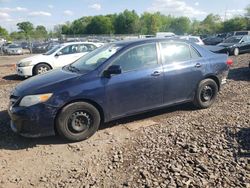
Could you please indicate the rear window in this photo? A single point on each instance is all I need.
(175, 52)
(193, 40)
(241, 33)
(178, 52)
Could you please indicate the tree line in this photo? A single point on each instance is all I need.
(129, 22)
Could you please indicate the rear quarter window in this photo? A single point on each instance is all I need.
(178, 52)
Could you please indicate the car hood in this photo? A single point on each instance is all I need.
(34, 58)
(45, 83)
(14, 48)
(226, 44)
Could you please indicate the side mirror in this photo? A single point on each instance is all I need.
(58, 54)
(113, 69)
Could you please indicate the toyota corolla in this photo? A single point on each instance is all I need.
(117, 80)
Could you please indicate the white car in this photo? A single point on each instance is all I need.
(58, 56)
(14, 49)
(194, 39)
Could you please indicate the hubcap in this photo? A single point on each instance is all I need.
(206, 93)
(42, 70)
(79, 121)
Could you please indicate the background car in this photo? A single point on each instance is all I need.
(117, 80)
(14, 49)
(58, 56)
(236, 45)
(194, 39)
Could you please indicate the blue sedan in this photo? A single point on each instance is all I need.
(117, 80)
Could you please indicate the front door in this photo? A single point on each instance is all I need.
(140, 85)
(68, 55)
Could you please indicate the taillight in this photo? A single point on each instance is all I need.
(230, 62)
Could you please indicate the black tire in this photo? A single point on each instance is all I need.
(78, 121)
(236, 52)
(206, 93)
(41, 68)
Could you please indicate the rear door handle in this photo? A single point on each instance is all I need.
(156, 73)
(198, 65)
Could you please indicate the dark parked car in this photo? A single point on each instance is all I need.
(236, 45)
(212, 40)
(117, 80)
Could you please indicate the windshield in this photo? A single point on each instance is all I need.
(53, 50)
(233, 40)
(14, 46)
(95, 58)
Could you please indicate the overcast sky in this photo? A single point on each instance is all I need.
(52, 12)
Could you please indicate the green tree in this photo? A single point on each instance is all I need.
(211, 24)
(235, 24)
(127, 23)
(40, 32)
(150, 23)
(100, 25)
(180, 25)
(25, 27)
(17, 35)
(3, 32)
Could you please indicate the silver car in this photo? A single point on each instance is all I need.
(14, 49)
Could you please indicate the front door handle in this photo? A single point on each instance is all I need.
(156, 73)
(198, 65)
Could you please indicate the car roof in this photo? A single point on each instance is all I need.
(204, 52)
(150, 40)
(72, 43)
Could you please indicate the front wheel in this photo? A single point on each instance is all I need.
(41, 68)
(78, 121)
(236, 51)
(206, 93)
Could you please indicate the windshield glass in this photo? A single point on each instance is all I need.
(233, 40)
(14, 46)
(53, 50)
(95, 58)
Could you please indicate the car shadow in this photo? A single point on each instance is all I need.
(155, 114)
(11, 141)
(239, 141)
(239, 74)
(13, 77)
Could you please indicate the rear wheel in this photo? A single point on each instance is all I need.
(78, 121)
(41, 68)
(206, 93)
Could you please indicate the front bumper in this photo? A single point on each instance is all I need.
(25, 71)
(34, 121)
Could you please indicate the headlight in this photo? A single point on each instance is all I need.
(24, 64)
(30, 100)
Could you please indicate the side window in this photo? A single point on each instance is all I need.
(248, 39)
(175, 52)
(140, 57)
(194, 53)
(91, 47)
(82, 48)
(71, 49)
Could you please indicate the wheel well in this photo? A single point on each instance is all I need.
(215, 79)
(96, 105)
(33, 70)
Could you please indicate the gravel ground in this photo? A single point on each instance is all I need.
(175, 147)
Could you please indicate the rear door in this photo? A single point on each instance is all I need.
(182, 66)
(140, 85)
